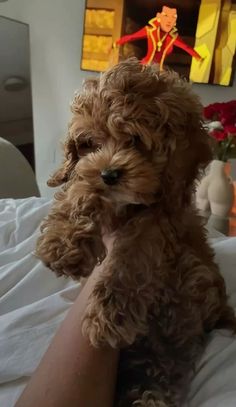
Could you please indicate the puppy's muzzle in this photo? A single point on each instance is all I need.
(110, 176)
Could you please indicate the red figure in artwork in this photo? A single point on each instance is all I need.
(162, 36)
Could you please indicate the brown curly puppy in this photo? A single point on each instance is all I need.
(134, 150)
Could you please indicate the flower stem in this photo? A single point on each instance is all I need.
(226, 149)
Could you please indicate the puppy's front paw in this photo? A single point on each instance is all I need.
(151, 399)
(100, 331)
(110, 320)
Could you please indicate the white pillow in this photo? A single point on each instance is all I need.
(214, 384)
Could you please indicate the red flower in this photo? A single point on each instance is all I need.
(228, 117)
(225, 112)
(232, 104)
(211, 111)
(230, 129)
(219, 135)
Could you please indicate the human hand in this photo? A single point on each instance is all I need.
(113, 47)
(201, 59)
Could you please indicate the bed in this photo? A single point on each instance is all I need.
(33, 302)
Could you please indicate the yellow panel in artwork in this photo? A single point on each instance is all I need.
(94, 65)
(96, 52)
(228, 51)
(97, 43)
(225, 79)
(98, 18)
(231, 43)
(199, 68)
(205, 39)
(208, 19)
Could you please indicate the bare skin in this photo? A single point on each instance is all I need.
(72, 372)
(168, 18)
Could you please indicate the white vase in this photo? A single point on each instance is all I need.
(220, 190)
(202, 199)
(215, 196)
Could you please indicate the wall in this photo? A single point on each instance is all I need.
(213, 93)
(56, 28)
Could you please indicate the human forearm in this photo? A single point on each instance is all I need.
(72, 372)
(191, 51)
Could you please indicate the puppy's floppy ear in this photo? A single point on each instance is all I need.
(80, 107)
(192, 153)
(199, 152)
(63, 174)
(188, 151)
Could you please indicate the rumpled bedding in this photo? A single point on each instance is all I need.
(33, 303)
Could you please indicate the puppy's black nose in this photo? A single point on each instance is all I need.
(110, 177)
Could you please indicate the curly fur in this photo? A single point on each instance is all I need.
(160, 291)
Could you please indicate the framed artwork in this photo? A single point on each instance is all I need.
(197, 38)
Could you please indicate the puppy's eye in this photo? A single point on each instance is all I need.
(86, 144)
(135, 142)
(86, 147)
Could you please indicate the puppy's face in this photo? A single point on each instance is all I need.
(121, 168)
(135, 133)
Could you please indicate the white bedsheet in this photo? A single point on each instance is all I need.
(33, 302)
